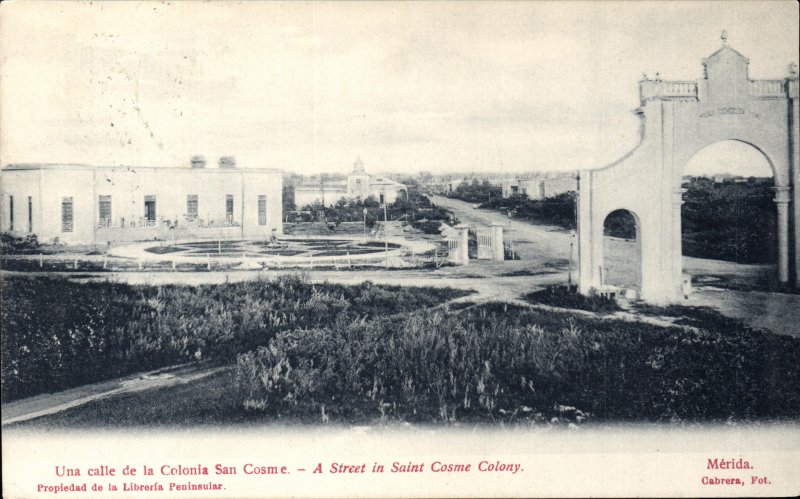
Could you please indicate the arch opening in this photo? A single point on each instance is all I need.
(732, 158)
(622, 253)
(729, 217)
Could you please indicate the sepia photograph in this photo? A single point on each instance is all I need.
(399, 249)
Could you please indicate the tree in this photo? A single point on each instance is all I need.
(288, 199)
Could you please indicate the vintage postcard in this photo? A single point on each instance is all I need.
(399, 249)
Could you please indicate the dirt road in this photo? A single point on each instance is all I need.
(535, 244)
(778, 312)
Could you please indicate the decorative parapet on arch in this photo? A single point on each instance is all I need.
(657, 89)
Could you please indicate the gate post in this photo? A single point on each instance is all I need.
(463, 243)
(584, 232)
(497, 242)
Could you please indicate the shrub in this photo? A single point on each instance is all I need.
(58, 334)
(11, 244)
(557, 210)
(476, 192)
(496, 361)
(560, 296)
(730, 221)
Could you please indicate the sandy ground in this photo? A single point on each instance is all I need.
(485, 288)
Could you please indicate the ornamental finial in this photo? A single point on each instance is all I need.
(792, 69)
(724, 37)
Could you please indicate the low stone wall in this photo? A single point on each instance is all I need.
(117, 235)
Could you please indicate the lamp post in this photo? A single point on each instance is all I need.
(571, 245)
(510, 233)
(365, 222)
(385, 219)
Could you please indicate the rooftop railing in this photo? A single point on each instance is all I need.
(649, 89)
(767, 88)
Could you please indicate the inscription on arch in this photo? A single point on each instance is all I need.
(724, 110)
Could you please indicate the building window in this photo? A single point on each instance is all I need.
(30, 214)
(105, 211)
(191, 207)
(150, 209)
(383, 198)
(10, 212)
(262, 210)
(358, 183)
(66, 215)
(229, 207)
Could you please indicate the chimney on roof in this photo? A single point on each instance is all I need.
(198, 162)
(227, 162)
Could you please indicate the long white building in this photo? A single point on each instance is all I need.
(77, 204)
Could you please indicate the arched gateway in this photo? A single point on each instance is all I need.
(678, 119)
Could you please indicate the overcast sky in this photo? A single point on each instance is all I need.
(444, 87)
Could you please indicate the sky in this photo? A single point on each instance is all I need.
(308, 87)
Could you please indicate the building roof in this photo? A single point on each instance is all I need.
(384, 181)
(725, 50)
(133, 169)
(329, 186)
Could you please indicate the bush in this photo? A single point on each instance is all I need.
(417, 209)
(557, 210)
(560, 296)
(497, 361)
(10, 244)
(428, 226)
(58, 334)
(730, 221)
(476, 192)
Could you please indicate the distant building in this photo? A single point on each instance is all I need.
(555, 186)
(94, 204)
(722, 177)
(453, 184)
(358, 185)
(531, 189)
(539, 188)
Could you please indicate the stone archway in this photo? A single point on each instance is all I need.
(678, 119)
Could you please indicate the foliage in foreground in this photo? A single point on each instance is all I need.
(502, 362)
(558, 210)
(413, 207)
(11, 244)
(476, 192)
(730, 221)
(58, 334)
(560, 296)
(369, 353)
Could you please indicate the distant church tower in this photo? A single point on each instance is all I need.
(358, 181)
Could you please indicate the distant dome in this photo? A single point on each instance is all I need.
(358, 166)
